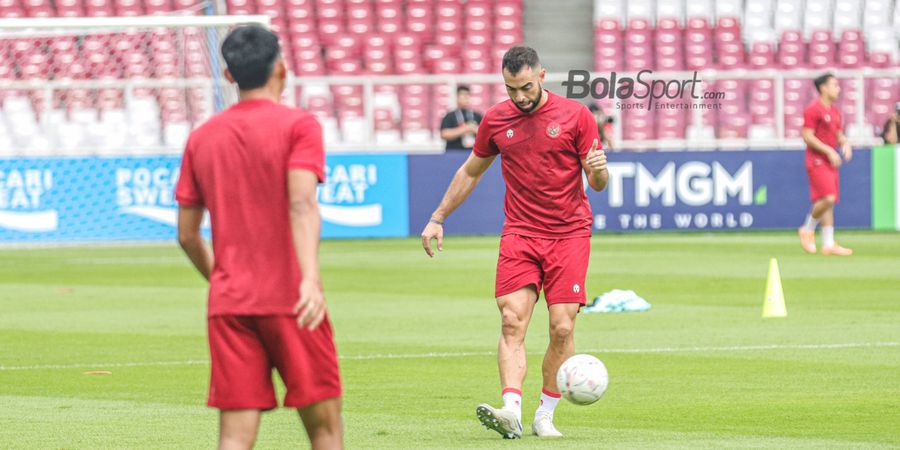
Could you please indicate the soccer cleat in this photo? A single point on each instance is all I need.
(836, 250)
(500, 420)
(807, 240)
(543, 426)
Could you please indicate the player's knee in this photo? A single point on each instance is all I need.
(828, 200)
(561, 331)
(513, 323)
(236, 439)
(326, 429)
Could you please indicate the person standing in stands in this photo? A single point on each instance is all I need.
(458, 127)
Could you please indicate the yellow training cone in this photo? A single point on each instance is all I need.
(774, 303)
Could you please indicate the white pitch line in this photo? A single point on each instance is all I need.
(731, 348)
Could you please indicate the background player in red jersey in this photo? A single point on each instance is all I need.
(545, 141)
(823, 133)
(255, 167)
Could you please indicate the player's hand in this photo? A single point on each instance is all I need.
(433, 231)
(596, 159)
(847, 151)
(834, 159)
(310, 309)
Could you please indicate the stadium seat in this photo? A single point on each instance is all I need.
(821, 49)
(851, 50)
(757, 18)
(818, 17)
(789, 15)
(847, 16)
(851, 90)
(797, 94)
(792, 50)
(877, 14)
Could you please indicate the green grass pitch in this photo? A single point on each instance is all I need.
(417, 339)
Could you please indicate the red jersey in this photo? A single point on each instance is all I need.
(236, 166)
(541, 155)
(825, 123)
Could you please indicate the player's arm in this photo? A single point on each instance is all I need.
(810, 139)
(191, 240)
(844, 143)
(306, 227)
(465, 180)
(594, 165)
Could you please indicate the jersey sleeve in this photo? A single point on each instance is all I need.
(484, 145)
(586, 130)
(187, 191)
(811, 117)
(307, 148)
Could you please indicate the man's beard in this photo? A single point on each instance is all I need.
(534, 103)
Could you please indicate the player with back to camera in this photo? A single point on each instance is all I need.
(256, 167)
(545, 142)
(823, 132)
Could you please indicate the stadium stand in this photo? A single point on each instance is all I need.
(751, 34)
(333, 38)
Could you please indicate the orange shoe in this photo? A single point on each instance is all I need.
(807, 240)
(836, 250)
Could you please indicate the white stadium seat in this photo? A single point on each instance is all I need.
(609, 9)
(788, 15)
(847, 16)
(817, 18)
(700, 8)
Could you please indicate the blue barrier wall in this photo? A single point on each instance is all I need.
(429, 177)
(132, 198)
(721, 190)
(388, 195)
(72, 199)
(365, 196)
(664, 191)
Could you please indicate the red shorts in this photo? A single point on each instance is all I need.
(245, 349)
(558, 266)
(824, 180)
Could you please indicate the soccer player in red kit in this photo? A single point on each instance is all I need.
(256, 167)
(823, 132)
(545, 142)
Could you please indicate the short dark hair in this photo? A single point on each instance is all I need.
(250, 52)
(821, 80)
(463, 88)
(519, 57)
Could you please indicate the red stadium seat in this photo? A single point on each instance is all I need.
(792, 51)
(821, 49)
(638, 124)
(762, 55)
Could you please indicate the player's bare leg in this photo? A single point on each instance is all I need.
(323, 424)
(560, 348)
(515, 313)
(817, 216)
(237, 428)
(829, 246)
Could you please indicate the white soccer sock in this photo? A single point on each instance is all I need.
(512, 400)
(811, 223)
(549, 400)
(827, 236)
